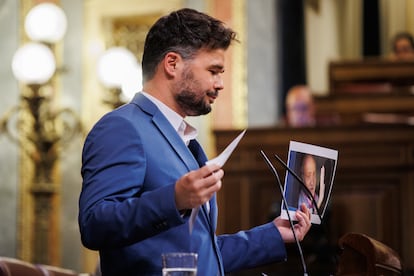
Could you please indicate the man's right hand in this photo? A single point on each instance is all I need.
(197, 187)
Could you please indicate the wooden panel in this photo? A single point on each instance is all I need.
(372, 193)
(351, 109)
(370, 76)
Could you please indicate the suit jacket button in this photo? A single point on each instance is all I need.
(161, 225)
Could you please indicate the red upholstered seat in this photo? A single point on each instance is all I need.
(56, 271)
(15, 267)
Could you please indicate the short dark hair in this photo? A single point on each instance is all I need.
(185, 32)
(402, 35)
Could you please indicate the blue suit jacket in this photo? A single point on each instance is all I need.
(131, 160)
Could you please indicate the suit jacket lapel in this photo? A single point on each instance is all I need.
(169, 133)
(193, 155)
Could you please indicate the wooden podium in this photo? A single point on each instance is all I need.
(373, 188)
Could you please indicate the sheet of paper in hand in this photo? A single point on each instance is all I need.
(315, 169)
(225, 154)
(219, 160)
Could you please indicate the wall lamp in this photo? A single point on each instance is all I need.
(40, 128)
(121, 74)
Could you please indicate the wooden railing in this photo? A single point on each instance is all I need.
(371, 76)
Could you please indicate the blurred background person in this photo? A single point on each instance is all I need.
(403, 46)
(300, 108)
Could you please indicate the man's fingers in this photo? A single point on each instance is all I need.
(197, 187)
(208, 170)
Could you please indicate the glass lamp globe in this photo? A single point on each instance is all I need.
(45, 22)
(132, 82)
(33, 63)
(115, 65)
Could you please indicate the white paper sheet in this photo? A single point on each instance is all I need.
(219, 160)
(225, 154)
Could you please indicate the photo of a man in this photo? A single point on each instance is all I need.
(308, 173)
(314, 167)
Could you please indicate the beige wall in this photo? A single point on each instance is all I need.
(396, 15)
(321, 36)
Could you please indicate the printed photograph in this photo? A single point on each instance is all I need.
(311, 179)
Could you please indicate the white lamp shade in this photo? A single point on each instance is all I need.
(33, 63)
(46, 22)
(132, 82)
(115, 66)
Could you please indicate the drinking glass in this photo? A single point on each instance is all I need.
(179, 264)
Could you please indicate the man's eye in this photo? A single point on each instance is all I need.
(216, 71)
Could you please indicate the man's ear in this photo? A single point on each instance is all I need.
(171, 63)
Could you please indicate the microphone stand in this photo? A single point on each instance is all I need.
(309, 194)
(272, 168)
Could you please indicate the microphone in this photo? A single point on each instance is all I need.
(308, 193)
(272, 168)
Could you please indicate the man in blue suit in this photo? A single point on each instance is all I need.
(143, 171)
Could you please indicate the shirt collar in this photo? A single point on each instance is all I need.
(184, 129)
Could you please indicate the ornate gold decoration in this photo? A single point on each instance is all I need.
(42, 131)
(130, 33)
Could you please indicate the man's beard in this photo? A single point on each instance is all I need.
(191, 102)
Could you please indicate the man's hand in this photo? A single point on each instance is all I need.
(321, 186)
(197, 187)
(301, 227)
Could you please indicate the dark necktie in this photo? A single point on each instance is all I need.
(197, 152)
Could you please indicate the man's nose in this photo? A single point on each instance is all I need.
(219, 83)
